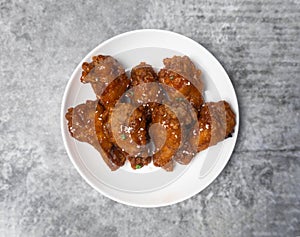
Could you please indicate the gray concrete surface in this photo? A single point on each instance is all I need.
(258, 193)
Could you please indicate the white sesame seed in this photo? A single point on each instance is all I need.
(127, 129)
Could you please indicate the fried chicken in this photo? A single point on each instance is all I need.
(168, 108)
(181, 77)
(144, 87)
(167, 145)
(107, 77)
(187, 117)
(87, 123)
(145, 93)
(128, 126)
(216, 122)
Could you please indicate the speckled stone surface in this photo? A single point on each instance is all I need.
(258, 193)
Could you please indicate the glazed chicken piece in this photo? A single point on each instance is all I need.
(88, 123)
(107, 77)
(144, 83)
(188, 118)
(186, 153)
(144, 87)
(129, 132)
(167, 136)
(144, 93)
(216, 122)
(157, 133)
(181, 77)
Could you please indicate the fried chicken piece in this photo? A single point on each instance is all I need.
(186, 153)
(181, 77)
(169, 166)
(216, 122)
(107, 77)
(166, 140)
(144, 84)
(128, 125)
(139, 162)
(187, 116)
(87, 123)
(144, 88)
(144, 92)
(184, 117)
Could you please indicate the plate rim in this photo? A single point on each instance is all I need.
(64, 134)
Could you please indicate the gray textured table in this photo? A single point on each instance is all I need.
(258, 193)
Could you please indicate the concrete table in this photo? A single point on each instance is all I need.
(258, 193)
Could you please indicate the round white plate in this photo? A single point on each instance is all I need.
(151, 186)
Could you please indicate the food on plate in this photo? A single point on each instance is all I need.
(88, 123)
(169, 143)
(144, 86)
(148, 117)
(128, 126)
(181, 77)
(107, 77)
(216, 122)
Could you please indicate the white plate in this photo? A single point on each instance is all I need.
(150, 186)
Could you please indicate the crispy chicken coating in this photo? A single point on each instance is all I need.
(169, 166)
(186, 153)
(187, 116)
(168, 108)
(107, 77)
(87, 123)
(169, 143)
(144, 91)
(216, 122)
(128, 126)
(182, 77)
(144, 88)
